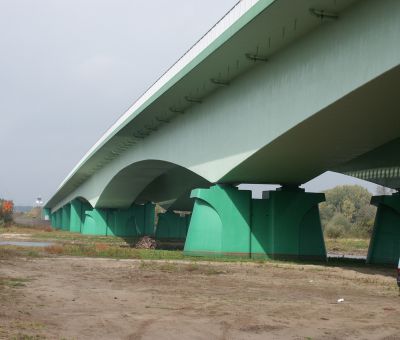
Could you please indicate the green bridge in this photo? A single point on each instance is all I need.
(277, 92)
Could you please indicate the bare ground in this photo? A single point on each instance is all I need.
(89, 298)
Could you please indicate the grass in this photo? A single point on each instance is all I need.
(13, 282)
(181, 268)
(75, 244)
(347, 245)
(112, 251)
(28, 337)
(8, 252)
(118, 252)
(46, 234)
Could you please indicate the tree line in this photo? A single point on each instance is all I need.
(347, 212)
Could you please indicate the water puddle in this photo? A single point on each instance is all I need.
(25, 244)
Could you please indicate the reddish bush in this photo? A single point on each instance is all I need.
(6, 211)
(101, 247)
(54, 249)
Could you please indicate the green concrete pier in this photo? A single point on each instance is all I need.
(384, 247)
(227, 222)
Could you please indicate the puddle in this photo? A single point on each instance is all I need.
(25, 244)
(16, 236)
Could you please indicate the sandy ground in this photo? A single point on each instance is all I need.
(81, 298)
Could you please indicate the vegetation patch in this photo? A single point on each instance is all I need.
(22, 336)
(9, 252)
(181, 268)
(13, 282)
(347, 245)
(347, 212)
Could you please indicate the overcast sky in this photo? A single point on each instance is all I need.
(70, 68)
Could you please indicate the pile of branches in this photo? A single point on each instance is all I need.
(146, 242)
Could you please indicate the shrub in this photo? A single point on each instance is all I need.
(6, 212)
(338, 226)
(54, 249)
(334, 231)
(348, 211)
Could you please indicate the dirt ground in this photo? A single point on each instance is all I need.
(90, 298)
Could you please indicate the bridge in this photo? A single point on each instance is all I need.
(277, 92)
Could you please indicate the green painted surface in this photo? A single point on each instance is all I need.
(341, 92)
(227, 221)
(295, 226)
(172, 226)
(384, 247)
(193, 65)
(53, 220)
(58, 218)
(65, 217)
(302, 66)
(220, 222)
(77, 217)
(260, 236)
(46, 213)
(138, 220)
(95, 222)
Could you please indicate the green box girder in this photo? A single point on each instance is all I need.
(226, 221)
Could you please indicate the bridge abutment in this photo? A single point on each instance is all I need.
(228, 222)
(384, 247)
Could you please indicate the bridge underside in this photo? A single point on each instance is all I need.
(326, 101)
(357, 132)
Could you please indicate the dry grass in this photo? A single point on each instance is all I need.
(13, 282)
(347, 245)
(100, 247)
(55, 249)
(10, 252)
(182, 268)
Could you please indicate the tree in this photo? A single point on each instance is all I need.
(6, 211)
(347, 211)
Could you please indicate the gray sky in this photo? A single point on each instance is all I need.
(70, 68)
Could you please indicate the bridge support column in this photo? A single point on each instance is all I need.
(53, 220)
(65, 217)
(58, 219)
(46, 214)
(293, 228)
(77, 217)
(384, 247)
(220, 222)
(226, 221)
(172, 226)
(95, 222)
(136, 221)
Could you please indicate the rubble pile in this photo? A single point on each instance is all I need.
(146, 242)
